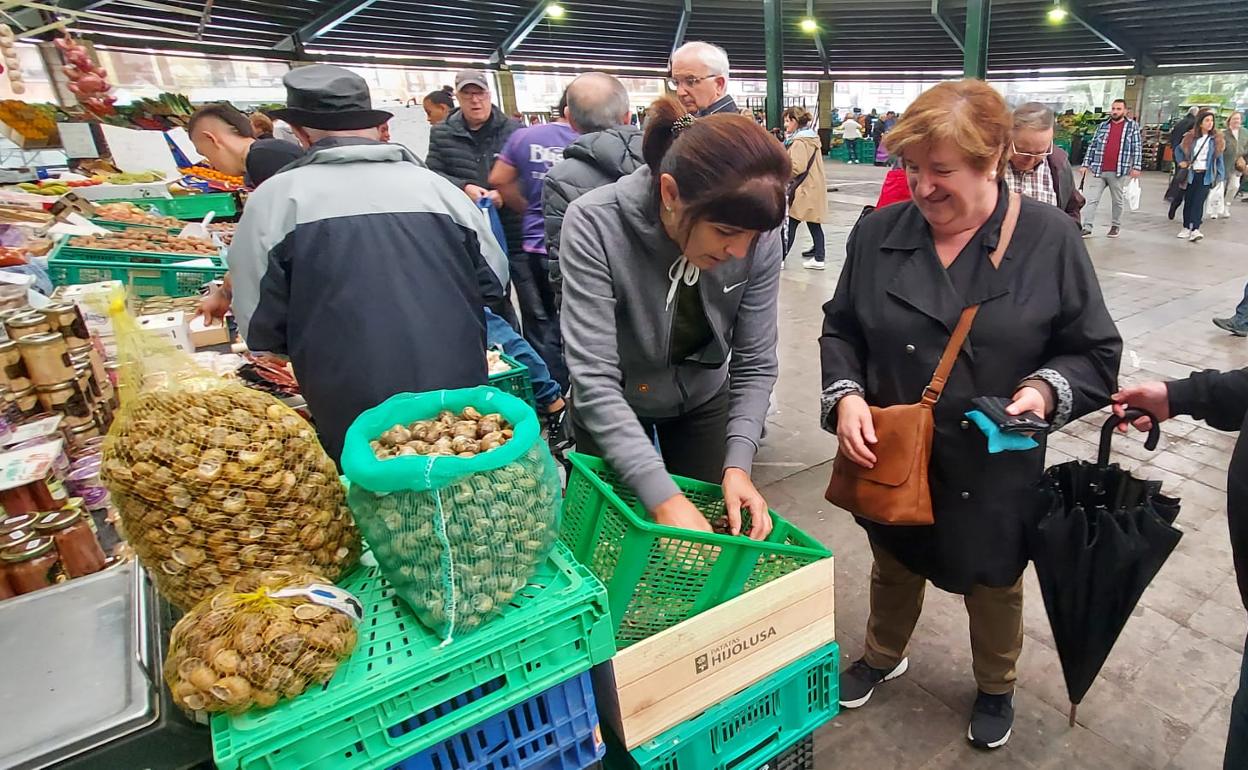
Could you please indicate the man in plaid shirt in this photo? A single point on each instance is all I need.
(1115, 153)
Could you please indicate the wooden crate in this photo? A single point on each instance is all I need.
(659, 682)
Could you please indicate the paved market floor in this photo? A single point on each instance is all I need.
(1162, 699)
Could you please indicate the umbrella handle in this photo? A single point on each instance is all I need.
(1132, 414)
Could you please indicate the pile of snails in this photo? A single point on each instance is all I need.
(466, 434)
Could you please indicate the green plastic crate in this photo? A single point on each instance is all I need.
(748, 729)
(556, 628)
(188, 206)
(517, 382)
(669, 574)
(143, 274)
(109, 224)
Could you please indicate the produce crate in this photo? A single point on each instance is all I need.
(669, 574)
(109, 224)
(516, 382)
(188, 206)
(749, 728)
(556, 730)
(144, 274)
(401, 691)
(799, 756)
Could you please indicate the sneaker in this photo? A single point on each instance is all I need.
(1197, 236)
(812, 264)
(1114, 232)
(1087, 232)
(808, 253)
(992, 721)
(859, 681)
(1184, 234)
(1213, 216)
(1229, 325)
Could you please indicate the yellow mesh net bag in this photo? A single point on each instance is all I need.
(266, 636)
(214, 479)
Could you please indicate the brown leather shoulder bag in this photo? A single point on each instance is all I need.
(896, 491)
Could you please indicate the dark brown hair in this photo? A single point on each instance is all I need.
(799, 115)
(727, 168)
(226, 113)
(261, 123)
(1219, 139)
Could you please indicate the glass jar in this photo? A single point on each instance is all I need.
(27, 402)
(66, 319)
(16, 521)
(68, 400)
(26, 324)
(47, 358)
(13, 365)
(32, 565)
(6, 590)
(75, 541)
(79, 435)
(12, 297)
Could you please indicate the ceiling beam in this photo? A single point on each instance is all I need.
(321, 25)
(823, 52)
(517, 35)
(682, 26)
(1110, 36)
(942, 18)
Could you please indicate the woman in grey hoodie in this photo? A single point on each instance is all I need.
(671, 277)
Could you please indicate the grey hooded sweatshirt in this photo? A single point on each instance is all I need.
(618, 265)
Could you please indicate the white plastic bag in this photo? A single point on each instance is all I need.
(1215, 206)
(1133, 195)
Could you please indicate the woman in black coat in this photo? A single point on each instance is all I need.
(1042, 338)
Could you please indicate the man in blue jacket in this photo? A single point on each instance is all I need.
(365, 268)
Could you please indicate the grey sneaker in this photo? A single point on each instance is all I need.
(859, 681)
(1087, 232)
(1114, 232)
(1229, 325)
(992, 721)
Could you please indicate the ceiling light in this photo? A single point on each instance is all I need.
(1057, 14)
(554, 11)
(809, 25)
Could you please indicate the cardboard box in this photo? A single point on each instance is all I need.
(661, 681)
(172, 325)
(203, 335)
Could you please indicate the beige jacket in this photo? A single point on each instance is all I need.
(810, 203)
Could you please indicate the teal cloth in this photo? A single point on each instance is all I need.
(999, 441)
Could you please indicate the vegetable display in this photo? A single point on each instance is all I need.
(134, 215)
(145, 240)
(267, 636)
(457, 536)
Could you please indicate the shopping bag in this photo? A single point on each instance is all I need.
(1133, 195)
(1217, 199)
(496, 223)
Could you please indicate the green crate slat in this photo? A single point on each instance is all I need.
(556, 628)
(158, 274)
(109, 224)
(751, 727)
(518, 381)
(188, 206)
(669, 574)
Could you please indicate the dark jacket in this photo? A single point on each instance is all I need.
(725, 104)
(1068, 197)
(588, 163)
(1221, 400)
(465, 157)
(1042, 316)
(367, 270)
(1180, 129)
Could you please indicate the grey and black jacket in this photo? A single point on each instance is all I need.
(618, 315)
(369, 271)
(465, 157)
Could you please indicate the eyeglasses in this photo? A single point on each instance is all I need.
(1037, 155)
(475, 95)
(688, 81)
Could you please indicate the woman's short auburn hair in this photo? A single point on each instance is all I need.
(969, 114)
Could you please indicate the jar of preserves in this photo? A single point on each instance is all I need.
(79, 435)
(16, 521)
(9, 313)
(6, 590)
(46, 358)
(68, 400)
(32, 565)
(26, 324)
(12, 297)
(27, 402)
(13, 365)
(15, 537)
(66, 319)
(75, 541)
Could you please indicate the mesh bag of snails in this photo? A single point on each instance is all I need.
(214, 479)
(262, 637)
(458, 498)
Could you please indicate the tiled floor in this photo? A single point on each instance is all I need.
(1162, 699)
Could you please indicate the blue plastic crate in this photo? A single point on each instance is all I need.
(554, 730)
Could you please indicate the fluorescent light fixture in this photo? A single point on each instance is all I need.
(1057, 14)
(809, 25)
(555, 11)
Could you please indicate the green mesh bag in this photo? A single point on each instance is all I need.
(456, 536)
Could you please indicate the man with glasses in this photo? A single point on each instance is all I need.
(1038, 168)
(1116, 152)
(700, 79)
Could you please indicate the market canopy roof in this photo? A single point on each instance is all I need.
(895, 38)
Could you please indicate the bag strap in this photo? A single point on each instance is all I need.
(931, 394)
(800, 178)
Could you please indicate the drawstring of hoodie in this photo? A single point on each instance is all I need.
(681, 270)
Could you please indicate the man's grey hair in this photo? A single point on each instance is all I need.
(596, 101)
(711, 55)
(1193, 110)
(1034, 116)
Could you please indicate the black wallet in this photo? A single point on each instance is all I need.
(994, 408)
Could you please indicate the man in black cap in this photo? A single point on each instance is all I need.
(365, 268)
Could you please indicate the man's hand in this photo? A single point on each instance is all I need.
(1150, 396)
(1135, 173)
(677, 511)
(740, 492)
(475, 192)
(214, 305)
(495, 197)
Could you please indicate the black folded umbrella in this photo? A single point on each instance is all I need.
(1097, 543)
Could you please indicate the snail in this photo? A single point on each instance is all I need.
(465, 435)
